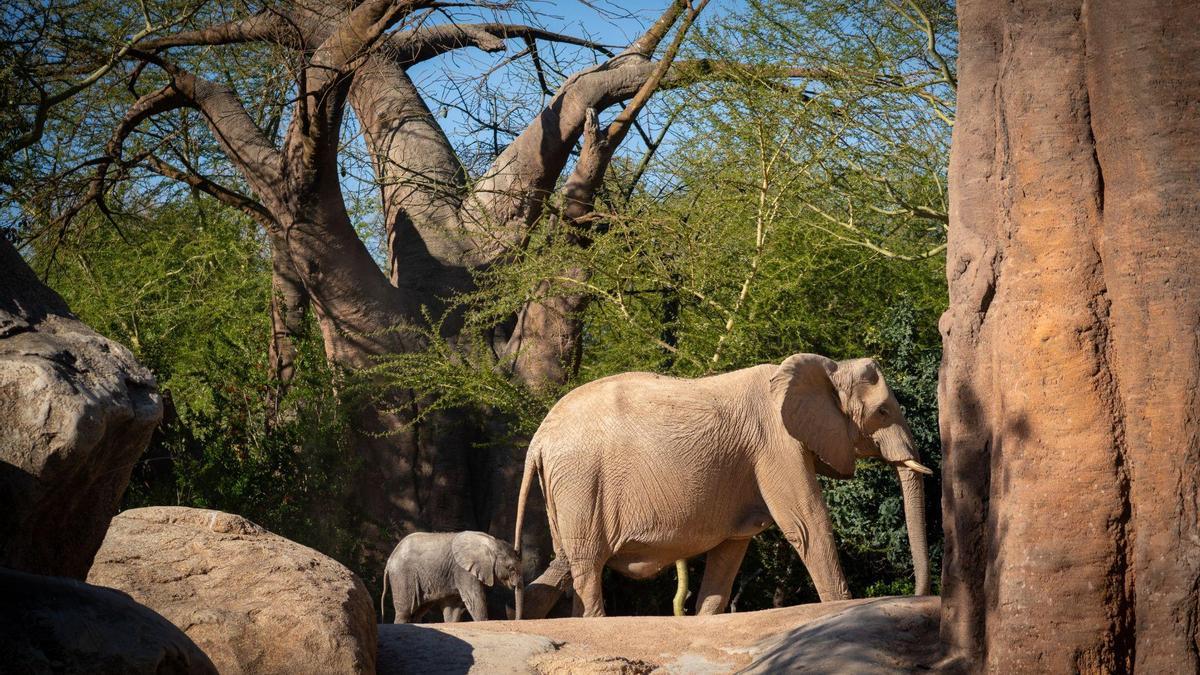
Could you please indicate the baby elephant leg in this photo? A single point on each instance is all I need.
(452, 612)
(475, 599)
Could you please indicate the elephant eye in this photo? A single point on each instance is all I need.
(883, 412)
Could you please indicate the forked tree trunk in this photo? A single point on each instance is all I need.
(1070, 385)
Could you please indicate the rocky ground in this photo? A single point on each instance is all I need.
(877, 635)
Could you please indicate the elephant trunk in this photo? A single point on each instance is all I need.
(519, 600)
(912, 484)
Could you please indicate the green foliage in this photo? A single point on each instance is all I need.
(457, 379)
(188, 289)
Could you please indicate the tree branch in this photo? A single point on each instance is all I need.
(266, 26)
(599, 146)
(647, 43)
(424, 43)
(222, 194)
(47, 101)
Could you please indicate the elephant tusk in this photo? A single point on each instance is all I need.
(917, 466)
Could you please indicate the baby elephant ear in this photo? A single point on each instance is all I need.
(809, 403)
(476, 553)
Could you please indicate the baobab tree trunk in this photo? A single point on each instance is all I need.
(1070, 383)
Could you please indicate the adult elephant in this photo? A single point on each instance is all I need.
(640, 470)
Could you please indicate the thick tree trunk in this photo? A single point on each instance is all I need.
(421, 184)
(289, 307)
(1072, 363)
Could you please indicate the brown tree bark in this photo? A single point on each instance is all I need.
(1071, 371)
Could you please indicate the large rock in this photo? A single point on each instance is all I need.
(254, 601)
(57, 625)
(1069, 406)
(76, 411)
(874, 635)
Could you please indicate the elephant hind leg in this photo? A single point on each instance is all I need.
(589, 594)
(404, 601)
(543, 592)
(720, 567)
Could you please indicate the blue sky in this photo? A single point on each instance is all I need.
(604, 21)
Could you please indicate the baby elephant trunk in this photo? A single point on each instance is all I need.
(519, 599)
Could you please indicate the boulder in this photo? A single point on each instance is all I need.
(254, 601)
(58, 625)
(879, 635)
(76, 411)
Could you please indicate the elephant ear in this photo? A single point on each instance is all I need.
(476, 553)
(812, 413)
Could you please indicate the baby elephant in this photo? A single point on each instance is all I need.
(448, 570)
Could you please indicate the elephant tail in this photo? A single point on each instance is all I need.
(531, 468)
(382, 596)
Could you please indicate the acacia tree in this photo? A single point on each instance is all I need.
(415, 470)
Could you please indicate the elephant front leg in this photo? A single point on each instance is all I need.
(795, 502)
(720, 567)
(475, 599)
(811, 534)
(820, 557)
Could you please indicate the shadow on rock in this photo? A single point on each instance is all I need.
(56, 625)
(887, 635)
(414, 648)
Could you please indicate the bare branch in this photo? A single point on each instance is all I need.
(266, 26)
(599, 146)
(357, 34)
(223, 194)
(147, 106)
(921, 21)
(620, 125)
(647, 44)
(421, 44)
(241, 140)
(859, 237)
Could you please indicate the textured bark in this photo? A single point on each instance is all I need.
(289, 307)
(1069, 383)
